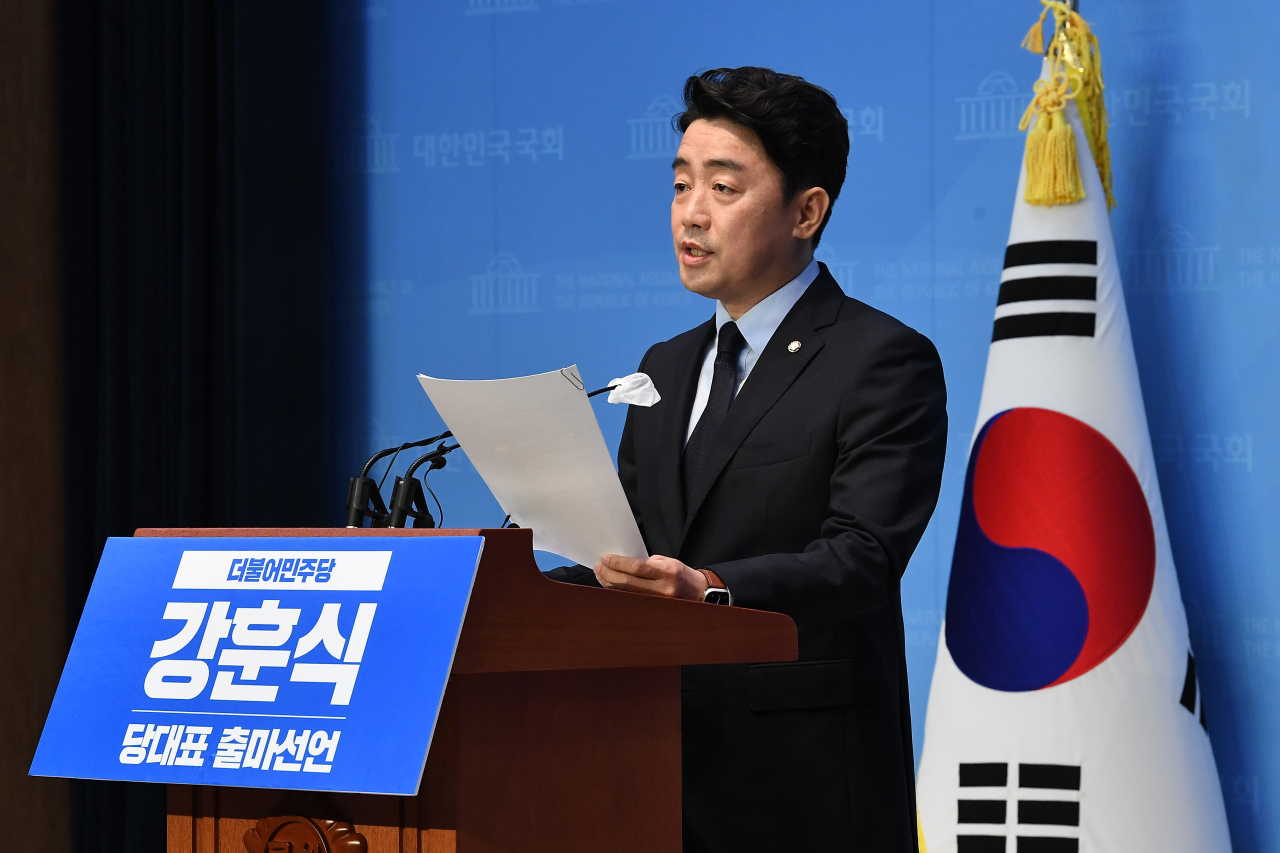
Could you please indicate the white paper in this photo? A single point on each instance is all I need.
(536, 443)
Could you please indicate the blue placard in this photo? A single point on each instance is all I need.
(304, 663)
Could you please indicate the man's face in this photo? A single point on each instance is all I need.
(732, 230)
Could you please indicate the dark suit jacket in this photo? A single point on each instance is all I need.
(816, 492)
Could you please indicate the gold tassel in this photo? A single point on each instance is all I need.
(1053, 169)
(1034, 39)
(1037, 176)
(1075, 73)
(1063, 164)
(1090, 102)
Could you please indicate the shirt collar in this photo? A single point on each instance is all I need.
(764, 318)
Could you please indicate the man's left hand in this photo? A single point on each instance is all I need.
(657, 575)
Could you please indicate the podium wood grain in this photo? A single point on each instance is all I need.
(559, 730)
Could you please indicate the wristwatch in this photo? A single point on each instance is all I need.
(717, 592)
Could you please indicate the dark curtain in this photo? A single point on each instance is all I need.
(199, 297)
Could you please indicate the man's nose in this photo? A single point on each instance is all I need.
(696, 212)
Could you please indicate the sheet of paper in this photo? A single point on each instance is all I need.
(537, 444)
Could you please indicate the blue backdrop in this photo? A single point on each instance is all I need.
(512, 165)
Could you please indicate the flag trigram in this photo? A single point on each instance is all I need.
(1191, 691)
(1038, 276)
(1046, 795)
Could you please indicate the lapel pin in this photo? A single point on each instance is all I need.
(794, 346)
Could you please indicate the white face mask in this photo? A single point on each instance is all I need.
(636, 390)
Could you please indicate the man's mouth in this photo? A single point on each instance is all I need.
(693, 254)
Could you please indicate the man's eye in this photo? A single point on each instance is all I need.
(681, 187)
(720, 188)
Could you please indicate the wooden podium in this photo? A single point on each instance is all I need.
(559, 731)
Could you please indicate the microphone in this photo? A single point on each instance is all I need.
(408, 500)
(364, 496)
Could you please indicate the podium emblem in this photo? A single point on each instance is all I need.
(293, 834)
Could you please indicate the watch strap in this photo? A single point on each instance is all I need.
(717, 590)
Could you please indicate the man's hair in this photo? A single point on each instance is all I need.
(798, 124)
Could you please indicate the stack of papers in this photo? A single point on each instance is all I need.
(537, 444)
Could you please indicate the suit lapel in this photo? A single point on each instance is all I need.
(675, 422)
(774, 371)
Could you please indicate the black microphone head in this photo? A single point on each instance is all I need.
(365, 501)
(409, 501)
(401, 501)
(355, 517)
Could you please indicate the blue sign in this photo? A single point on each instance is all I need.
(304, 663)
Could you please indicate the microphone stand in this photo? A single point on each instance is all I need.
(364, 496)
(408, 500)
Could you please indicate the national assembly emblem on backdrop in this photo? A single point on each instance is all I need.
(1065, 714)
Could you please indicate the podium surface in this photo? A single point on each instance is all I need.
(559, 729)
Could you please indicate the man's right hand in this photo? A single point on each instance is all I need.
(658, 575)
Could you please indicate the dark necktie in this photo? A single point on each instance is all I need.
(724, 381)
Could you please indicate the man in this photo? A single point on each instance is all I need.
(794, 460)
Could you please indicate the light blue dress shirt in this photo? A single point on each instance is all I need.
(757, 326)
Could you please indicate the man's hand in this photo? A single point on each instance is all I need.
(657, 575)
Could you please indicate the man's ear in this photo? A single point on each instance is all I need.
(811, 208)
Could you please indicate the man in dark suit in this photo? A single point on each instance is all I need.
(791, 465)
